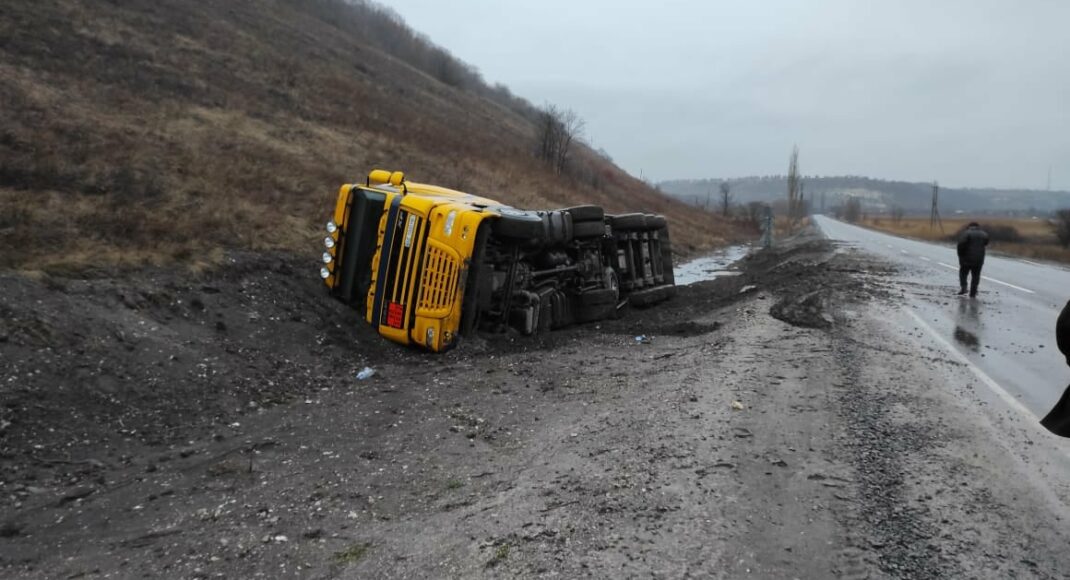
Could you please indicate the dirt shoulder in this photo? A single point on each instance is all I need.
(779, 423)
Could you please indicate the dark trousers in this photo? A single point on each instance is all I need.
(974, 271)
(1058, 419)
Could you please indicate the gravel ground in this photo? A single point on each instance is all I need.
(784, 423)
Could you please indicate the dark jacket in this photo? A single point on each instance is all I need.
(1058, 419)
(972, 244)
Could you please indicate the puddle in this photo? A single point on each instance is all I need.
(966, 338)
(709, 267)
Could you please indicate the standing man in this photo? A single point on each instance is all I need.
(1058, 419)
(972, 244)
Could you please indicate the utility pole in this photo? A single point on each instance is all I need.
(822, 202)
(934, 214)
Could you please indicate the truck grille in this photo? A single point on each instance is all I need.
(439, 287)
(401, 259)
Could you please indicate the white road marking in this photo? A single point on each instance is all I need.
(904, 252)
(889, 245)
(1029, 262)
(980, 374)
(983, 277)
(926, 259)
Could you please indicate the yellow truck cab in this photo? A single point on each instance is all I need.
(426, 265)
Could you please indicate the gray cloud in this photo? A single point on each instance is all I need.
(972, 93)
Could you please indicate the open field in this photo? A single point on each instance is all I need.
(1037, 238)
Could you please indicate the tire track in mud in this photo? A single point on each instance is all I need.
(879, 447)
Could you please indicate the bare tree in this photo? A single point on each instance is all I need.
(726, 198)
(794, 189)
(557, 130)
(755, 211)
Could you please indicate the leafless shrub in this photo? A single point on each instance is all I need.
(897, 214)
(852, 209)
(1061, 225)
(996, 233)
(557, 130)
(753, 213)
(726, 198)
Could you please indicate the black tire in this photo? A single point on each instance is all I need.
(656, 222)
(628, 221)
(586, 213)
(586, 230)
(519, 224)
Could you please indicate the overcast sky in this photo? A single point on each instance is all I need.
(971, 93)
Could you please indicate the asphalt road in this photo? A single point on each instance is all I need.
(1007, 333)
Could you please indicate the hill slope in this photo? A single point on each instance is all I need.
(877, 194)
(171, 130)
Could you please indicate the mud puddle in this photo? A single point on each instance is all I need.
(712, 266)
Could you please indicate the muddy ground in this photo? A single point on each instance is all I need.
(774, 424)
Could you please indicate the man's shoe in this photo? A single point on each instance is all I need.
(973, 295)
(961, 293)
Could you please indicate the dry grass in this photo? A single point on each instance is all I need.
(1038, 238)
(170, 131)
(782, 226)
(1038, 231)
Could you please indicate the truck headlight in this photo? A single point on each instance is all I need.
(451, 217)
(332, 227)
(325, 273)
(329, 242)
(327, 257)
(430, 336)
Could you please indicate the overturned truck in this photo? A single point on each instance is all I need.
(427, 265)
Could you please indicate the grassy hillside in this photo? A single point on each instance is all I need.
(171, 130)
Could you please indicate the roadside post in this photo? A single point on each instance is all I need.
(767, 228)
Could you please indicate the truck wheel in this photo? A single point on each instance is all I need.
(656, 222)
(585, 230)
(519, 224)
(628, 221)
(586, 213)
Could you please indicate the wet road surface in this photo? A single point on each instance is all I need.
(1007, 334)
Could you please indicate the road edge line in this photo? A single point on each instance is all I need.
(980, 374)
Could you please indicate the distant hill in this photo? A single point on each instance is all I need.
(173, 130)
(875, 194)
